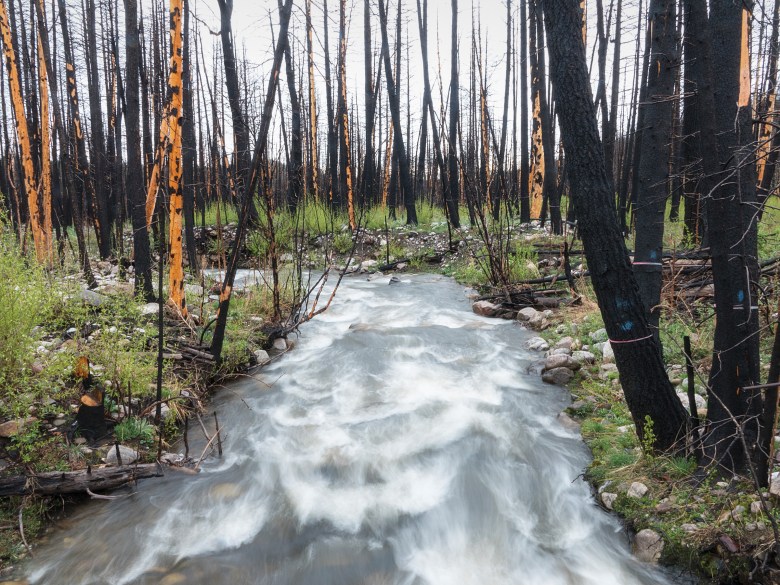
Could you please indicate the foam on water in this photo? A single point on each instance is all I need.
(401, 442)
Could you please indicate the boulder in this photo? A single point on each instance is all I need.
(560, 350)
(607, 355)
(559, 360)
(599, 336)
(648, 546)
(559, 376)
(280, 344)
(537, 344)
(701, 403)
(568, 423)
(262, 357)
(128, 455)
(583, 357)
(485, 308)
(12, 428)
(608, 499)
(528, 314)
(637, 490)
(149, 309)
(564, 342)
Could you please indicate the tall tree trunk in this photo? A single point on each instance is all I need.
(22, 133)
(314, 171)
(395, 113)
(189, 148)
(97, 138)
(240, 127)
(733, 241)
(454, 169)
(176, 114)
(525, 206)
(346, 187)
(333, 139)
(81, 163)
(645, 384)
(654, 168)
(295, 168)
(136, 194)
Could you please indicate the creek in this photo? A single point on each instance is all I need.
(400, 442)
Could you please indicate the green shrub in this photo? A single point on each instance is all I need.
(135, 429)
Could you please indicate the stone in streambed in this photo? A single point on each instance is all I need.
(608, 499)
(128, 455)
(559, 376)
(537, 344)
(583, 357)
(485, 308)
(648, 546)
(560, 360)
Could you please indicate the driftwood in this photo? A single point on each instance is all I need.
(53, 483)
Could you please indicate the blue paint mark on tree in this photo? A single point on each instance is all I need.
(627, 325)
(740, 296)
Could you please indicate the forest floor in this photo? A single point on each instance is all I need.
(713, 528)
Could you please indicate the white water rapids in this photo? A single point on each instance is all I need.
(401, 442)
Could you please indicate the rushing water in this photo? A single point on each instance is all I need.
(401, 442)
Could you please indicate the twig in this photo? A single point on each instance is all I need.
(95, 496)
(21, 528)
(206, 448)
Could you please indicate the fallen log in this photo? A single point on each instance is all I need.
(53, 483)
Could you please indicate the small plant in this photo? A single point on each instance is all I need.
(342, 243)
(135, 429)
(648, 439)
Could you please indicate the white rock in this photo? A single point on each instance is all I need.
(262, 356)
(280, 344)
(583, 357)
(149, 309)
(485, 308)
(608, 499)
(608, 356)
(637, 490)
(648, 546)
(701, 403)
(128, 455)
(599, 336)
(528, 314)
(565, 342)
(559, 360)
(537, 344)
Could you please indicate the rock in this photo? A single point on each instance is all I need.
(533, 318)
(568, 423)
(750, 527)
(757, 508)
(560, 361)
(607, 355)
(485, 308)
(583, 357)
(648, 546)
(172, 458)
(689, 528)
(280, 344)
(608, 499)
(12, 428)
(394, 280)
(194, 290)
(701, 403)
(59, 422)
(599, 336)
(560, 351)
(664, 507)
(537, 344)
(559, 376)
(637, 490)
(128, 455)
(565, 342)
(262, 357)
(366, 264)
(149, 309)
(79, 441)
(92, 298)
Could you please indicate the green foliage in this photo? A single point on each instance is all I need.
(648, 438)
(26, 298)
(522, 264)
(342, 242)
(135, 429)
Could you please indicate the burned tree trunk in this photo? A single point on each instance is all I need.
(654, 169)
(646, 386)
(395, 113)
